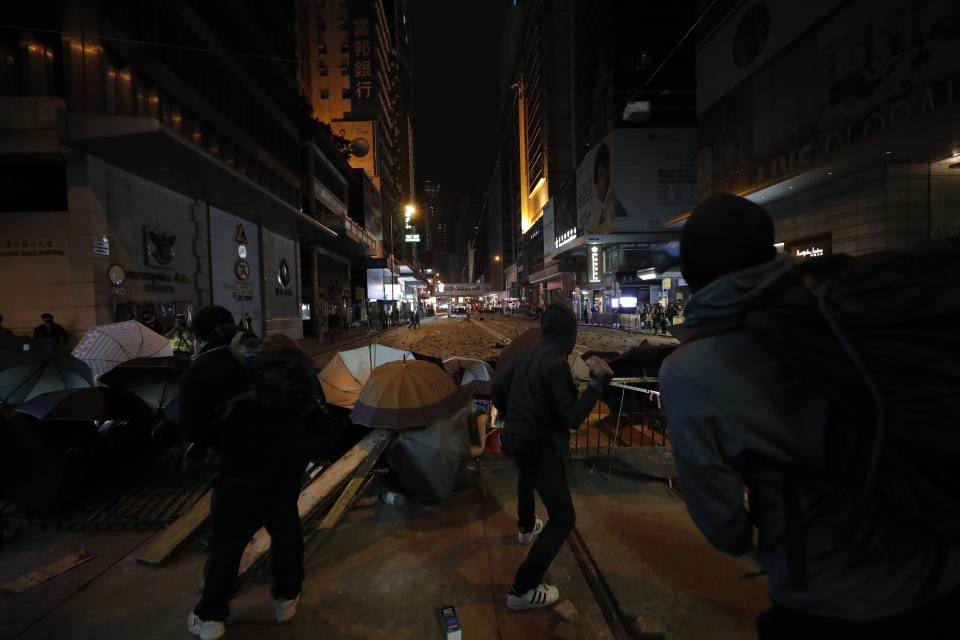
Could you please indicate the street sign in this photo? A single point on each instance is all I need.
(119, 291)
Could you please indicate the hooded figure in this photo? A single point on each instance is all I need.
(740, 416)
(538, 399)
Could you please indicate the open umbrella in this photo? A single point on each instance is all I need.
(430, 460)
(105, 346)
(401, 395)
(94, 404)
(433, 359)
(344, 376)
(155, 380)
(30, 367)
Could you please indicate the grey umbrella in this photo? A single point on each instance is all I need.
(429, 459)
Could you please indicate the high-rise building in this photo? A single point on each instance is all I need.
(431, 208)
(360, 82)
(597, 147)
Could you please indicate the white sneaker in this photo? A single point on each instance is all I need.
(204, 629)
(530, 536)
(284, 610)
(544, 595)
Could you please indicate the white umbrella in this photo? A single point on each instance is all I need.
(105, 346)
(344, 377)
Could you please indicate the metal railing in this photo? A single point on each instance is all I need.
(628, 415)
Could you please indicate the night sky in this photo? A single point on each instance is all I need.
(456, 47)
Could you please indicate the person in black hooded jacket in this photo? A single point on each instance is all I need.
(538, 399)
(259, 466)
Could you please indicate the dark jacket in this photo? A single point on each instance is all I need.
(53, 332)
(536, 393)
(740, 415)
(249, 443)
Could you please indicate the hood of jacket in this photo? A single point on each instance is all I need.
(558, 326)
(731, 294)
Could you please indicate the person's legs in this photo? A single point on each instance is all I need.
(526, 502)
(235, 514)
(286, 543)
(551, 484)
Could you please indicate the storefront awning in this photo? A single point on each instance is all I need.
(150, 149)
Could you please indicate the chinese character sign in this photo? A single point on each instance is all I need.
(363, 91)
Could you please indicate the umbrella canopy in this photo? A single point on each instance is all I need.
(433, 359)
(401, 395)
(517, 346)
(429, 460)
(527, 340)
(155, 380)
(343, 378)
(105, 346)
(30, 367)
(96, 403)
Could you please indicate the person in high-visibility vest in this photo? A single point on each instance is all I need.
(181, 338)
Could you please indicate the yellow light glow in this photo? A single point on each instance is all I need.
(409, 209)
(496, 258)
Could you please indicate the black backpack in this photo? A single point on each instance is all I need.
(879, 336)
(283, 379)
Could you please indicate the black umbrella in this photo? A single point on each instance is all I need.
(422, 356)
(30, 367)
(95, 404)
(155, 380)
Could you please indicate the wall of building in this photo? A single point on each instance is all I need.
(281, 285)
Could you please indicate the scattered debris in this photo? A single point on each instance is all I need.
(650, 628)
(567, 612)
(451, 622)
(52, 570)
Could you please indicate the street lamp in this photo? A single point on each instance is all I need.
(496, 258)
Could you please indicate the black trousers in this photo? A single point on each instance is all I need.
(542, 470)
(936, 619)
(239, 507)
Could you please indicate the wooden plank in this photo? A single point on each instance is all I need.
(166, 543)
(53, 569)
(322, 487)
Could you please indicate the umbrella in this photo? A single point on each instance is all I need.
(105, 346)
(155, 380)
(30, 367)
(344, 377)
(412, 393)
(429, 460)
(518, 345)
(432, 359)
(96, 403)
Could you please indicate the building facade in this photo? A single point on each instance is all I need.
(857, 157)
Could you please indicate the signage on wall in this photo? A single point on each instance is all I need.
(593, 263)
(412, 237)
(158, 247)
(101, 246)
(808, 248)
(241, 269)
(283, 277)
(116, 274)
(283, 273)
(239, 235)
(24, 248)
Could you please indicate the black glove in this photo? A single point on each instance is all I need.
(600, 380)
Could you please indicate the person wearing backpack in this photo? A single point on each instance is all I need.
(842, 560)
(246, 399)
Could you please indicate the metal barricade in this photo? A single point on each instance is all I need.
(628, 415)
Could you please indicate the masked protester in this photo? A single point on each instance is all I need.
(538, 399)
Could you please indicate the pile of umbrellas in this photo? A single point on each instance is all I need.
(67, 415)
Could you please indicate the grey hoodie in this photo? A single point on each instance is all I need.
(739, 415)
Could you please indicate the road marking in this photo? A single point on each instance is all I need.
(496, 335)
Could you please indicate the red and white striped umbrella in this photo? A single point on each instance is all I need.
(105, 346)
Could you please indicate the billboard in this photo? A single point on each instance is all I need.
(635, 180)
(363, 62)
(363, 144)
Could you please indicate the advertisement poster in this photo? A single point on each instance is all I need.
(363, 149)
(636, 179)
